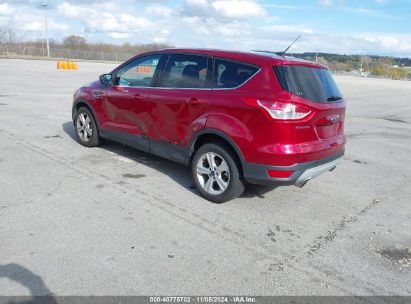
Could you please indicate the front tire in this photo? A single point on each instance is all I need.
(216, 174)
(86, 128)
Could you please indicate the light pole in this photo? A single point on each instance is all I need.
(44, 5)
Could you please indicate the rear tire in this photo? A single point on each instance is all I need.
(216, 173)
(86, 128)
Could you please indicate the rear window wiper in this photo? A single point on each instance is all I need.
(334, 98)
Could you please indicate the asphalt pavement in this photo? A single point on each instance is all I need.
(116, 221)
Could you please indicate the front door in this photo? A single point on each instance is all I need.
(125, 102)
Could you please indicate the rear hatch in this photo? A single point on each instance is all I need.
(320, 134)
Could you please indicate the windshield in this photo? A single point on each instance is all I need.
(314, 84)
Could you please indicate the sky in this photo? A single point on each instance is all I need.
(374, 27)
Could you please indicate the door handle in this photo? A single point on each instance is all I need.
(97, 94)
(195, 101)
(138, 97)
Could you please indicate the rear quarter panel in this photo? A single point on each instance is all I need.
(259, 138)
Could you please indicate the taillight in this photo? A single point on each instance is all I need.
(278, 109)
(284, 111)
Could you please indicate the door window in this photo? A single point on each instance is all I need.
(230, 74)
(186, 71)
(138, 73)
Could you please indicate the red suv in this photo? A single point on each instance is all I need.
(233, 117)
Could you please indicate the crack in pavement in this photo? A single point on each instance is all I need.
(322, 240)
(18, 204)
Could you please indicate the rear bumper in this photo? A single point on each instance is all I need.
(315, 171)
(302, 172)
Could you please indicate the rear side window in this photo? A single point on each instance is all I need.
(230, 74)
(186, 71)
(314, 84)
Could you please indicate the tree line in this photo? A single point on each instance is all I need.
(75, 42)
(78, 43)
(389, 67)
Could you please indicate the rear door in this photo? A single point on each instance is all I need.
(182, 94)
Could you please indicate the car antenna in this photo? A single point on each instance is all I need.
(283, 53)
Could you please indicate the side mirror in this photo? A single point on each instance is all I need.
(106, 79)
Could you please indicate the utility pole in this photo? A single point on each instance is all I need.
(316, 56)
(44, 5)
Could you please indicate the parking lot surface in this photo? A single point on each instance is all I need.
(116, 221)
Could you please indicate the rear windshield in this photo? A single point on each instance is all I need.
(314, 84)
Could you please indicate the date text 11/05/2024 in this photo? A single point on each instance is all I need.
(203, 299)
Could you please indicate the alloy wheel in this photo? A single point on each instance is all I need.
(84, 127)
(213, 173)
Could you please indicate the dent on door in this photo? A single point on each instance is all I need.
(125, 108)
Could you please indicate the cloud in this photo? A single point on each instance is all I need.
(58, 26)
(36, 23)
(282, 6)
(371, 12)
(26, 20)
(117, 35)
(105, 17)
(33, 26)
(200, 3)
(387, 42)
(238, 8)
(5, 9)
(159, 39)
(229, 9)
(159, 10)
(287, 28)
(326, 2)
(229, 24)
